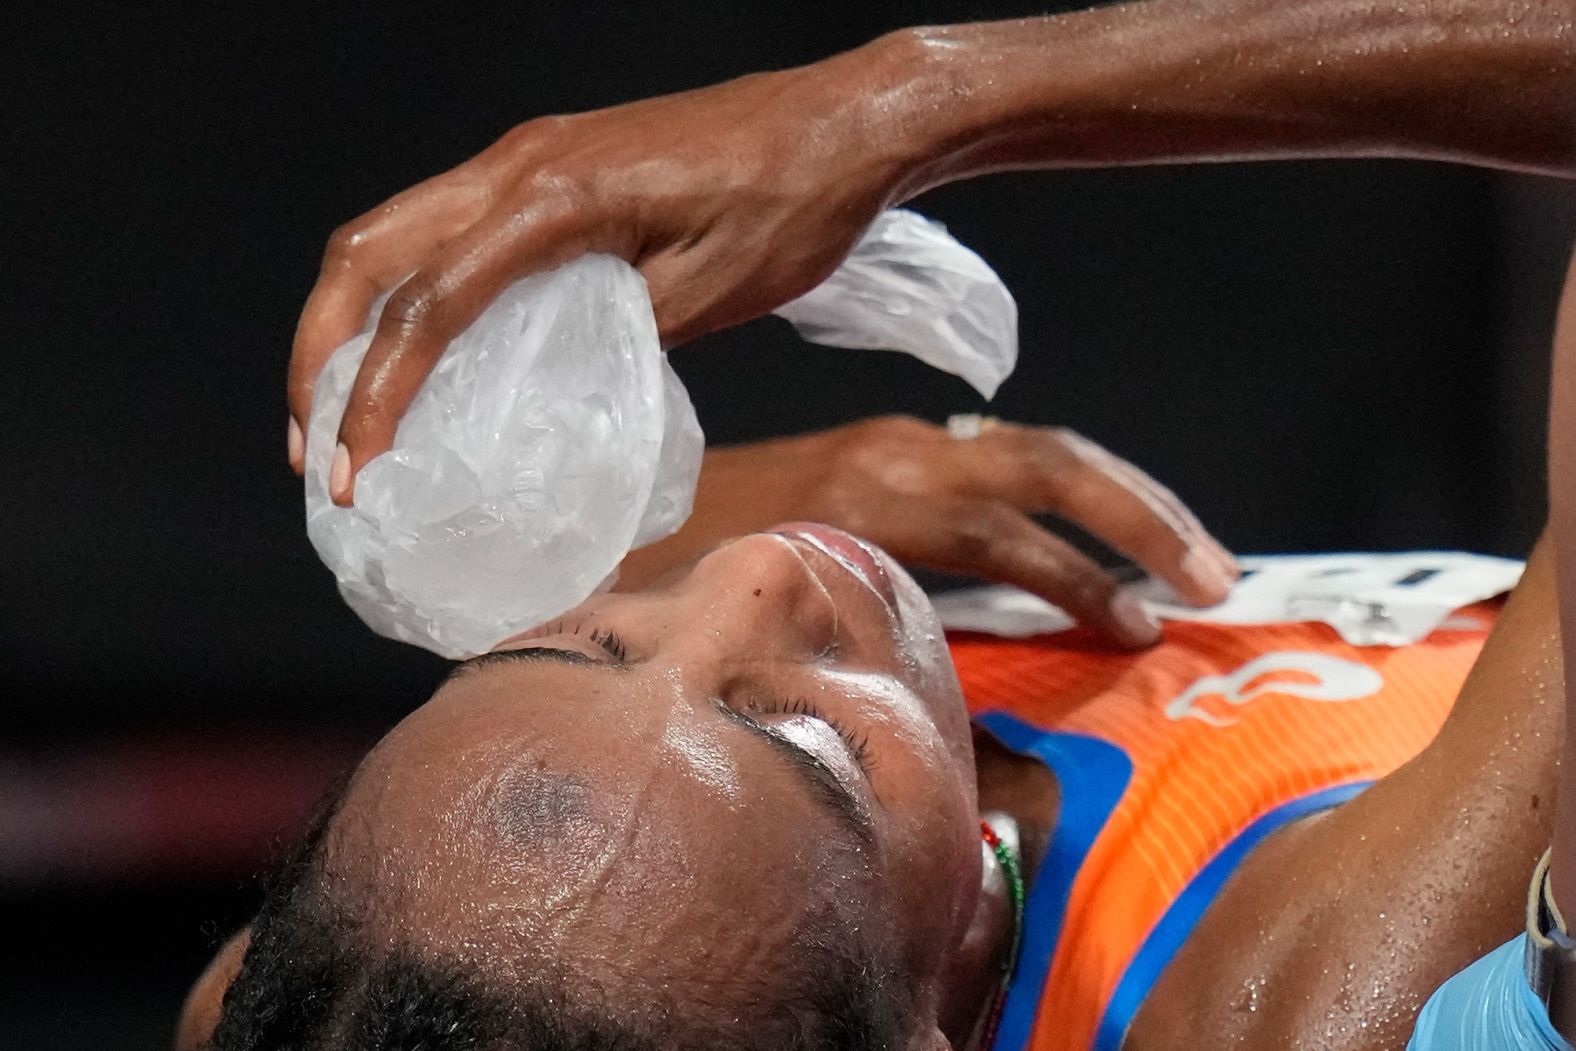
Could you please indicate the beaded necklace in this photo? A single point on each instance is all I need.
(1007, 858)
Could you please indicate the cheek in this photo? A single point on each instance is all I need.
(926, 656)
(935, 859)
(926, 789)
(935, 685)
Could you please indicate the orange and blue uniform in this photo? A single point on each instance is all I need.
(1173, 764)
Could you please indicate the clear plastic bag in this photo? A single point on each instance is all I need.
(522, 473)
(553, 436)
(909, 285)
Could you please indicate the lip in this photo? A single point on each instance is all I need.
(849, 552)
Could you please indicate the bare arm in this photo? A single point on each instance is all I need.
(1176, 80)
(1562, 520)
(1344, 925)
(733, 199)
(1336, 929)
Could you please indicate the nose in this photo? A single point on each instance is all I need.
(757, 598)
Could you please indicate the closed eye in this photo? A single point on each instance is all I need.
(525, 653)
(606, 640)
(827, 788)
(858, 743)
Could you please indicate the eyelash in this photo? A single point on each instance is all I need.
(858, 743)
(608, 640)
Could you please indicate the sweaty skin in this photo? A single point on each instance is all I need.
(734, 199)
(1335, 930)
(681, 795)
(589, 800)
(1562, 516)
(962, 507)
(888, 477)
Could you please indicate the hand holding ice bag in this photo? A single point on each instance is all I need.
(552, 436)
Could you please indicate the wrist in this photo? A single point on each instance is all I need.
(944, 103)
(877, 112)
(926, 110)
(993, 96)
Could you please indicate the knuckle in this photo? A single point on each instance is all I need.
(982, 533)
(886, 437)
(1069, 465)
(885, 430)
(344, 243)
(538, 127)
(885, 468)
(1065, 446)
(1087, 593)
(563, 192)
(522, 136)
(1078, 584)
(1080, 488)
(414, 304)
(553, 183)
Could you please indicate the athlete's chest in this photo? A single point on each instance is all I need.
(1175, 767)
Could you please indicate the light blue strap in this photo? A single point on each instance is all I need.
(1487, 1007)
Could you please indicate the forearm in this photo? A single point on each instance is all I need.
(1191, 80)
(1562, 525)
(742, 489)
(1348, 921)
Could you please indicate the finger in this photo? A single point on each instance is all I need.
(1055, 470)
(429, 309)
(1207, 562)
(996, 541)
(334, 312)
(364, 258)
(1207, 546)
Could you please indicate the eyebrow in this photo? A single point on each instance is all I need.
(825, 787)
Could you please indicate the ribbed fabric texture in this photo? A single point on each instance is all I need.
(1197, 785)
(1487, 1007)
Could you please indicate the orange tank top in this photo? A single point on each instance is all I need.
(1173, 764)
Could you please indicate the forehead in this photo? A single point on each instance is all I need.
(536, 804)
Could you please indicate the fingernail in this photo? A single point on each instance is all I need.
(339, 473)
(295, 444)
(1205, 573)
(1136, 621)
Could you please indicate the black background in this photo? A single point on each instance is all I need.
(1315, 356)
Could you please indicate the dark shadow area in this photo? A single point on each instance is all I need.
(1315, 356)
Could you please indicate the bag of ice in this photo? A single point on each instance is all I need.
(553, 436)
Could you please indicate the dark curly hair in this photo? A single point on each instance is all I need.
(310, 980)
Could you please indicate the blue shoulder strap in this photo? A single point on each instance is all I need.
(1184, 913)
(1092, 774)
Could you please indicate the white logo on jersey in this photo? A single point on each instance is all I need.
(1334, 680)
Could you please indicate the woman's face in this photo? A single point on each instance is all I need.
(665, 790)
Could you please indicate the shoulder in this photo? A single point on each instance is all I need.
(1336, 929)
